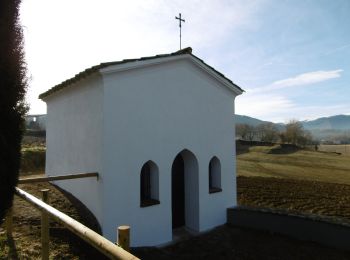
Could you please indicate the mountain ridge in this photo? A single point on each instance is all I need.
(327, 128)
(339, 122)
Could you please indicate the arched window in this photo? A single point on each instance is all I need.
(149, 185)
(214, 175)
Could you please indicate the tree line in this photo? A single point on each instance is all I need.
(293, 133)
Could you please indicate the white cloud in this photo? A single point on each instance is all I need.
(263, 106)
(307, 78)
(264, 103)
(301, 80)
(314, 112)
(64, 37)
(278, 108)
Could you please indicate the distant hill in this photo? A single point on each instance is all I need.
(339, 122)
(240, 119)
(248, 120)
(333, 128)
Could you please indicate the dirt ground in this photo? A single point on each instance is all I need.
(296, 196)
(224, 242)
(228, 242)
(26, 236)
(308, 197)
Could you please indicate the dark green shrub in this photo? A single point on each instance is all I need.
(13, 83)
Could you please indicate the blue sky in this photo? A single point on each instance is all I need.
(291, 57)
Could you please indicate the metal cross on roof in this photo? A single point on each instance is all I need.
(180, 20)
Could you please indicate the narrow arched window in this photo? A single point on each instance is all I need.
(214, 175)
(149, 185)
(145, 182)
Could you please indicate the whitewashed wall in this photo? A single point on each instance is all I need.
(153, 113)
(73, 139)
(116, 122)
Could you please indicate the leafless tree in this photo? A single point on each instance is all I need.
(245, 132)
(296, 134)
(267, 132)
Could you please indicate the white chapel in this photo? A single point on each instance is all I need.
(159, 131)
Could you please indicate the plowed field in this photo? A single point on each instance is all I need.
(297, 196)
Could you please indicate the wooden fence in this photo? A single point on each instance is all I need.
(57, 178)
(102, 244)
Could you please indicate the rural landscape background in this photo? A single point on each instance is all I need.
(291, 58)
(325, 130)
(274, 175)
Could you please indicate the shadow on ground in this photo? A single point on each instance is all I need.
(228, 242)
(284, 149)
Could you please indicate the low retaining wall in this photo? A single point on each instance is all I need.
(321, 230)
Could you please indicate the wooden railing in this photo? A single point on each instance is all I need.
(99, 242)
(58, 178)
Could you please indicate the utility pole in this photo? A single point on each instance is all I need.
(180, 20)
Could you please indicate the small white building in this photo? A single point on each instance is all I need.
(159, 131)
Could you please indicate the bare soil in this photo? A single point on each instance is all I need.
(224, 242)
(297, 196)
(26, 235)
(290, 191)
(228, 242)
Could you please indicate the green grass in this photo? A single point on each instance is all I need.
(271, 161)
(340, 148)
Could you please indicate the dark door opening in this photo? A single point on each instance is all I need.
(178, 192)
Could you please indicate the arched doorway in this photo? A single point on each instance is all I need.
(178, 192)
(184, 191)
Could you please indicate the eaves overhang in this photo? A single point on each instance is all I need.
(129, 64)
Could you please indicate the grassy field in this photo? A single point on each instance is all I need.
(273, 161)
(344, 149)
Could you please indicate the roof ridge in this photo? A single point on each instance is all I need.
(89, 71)
(187, 50)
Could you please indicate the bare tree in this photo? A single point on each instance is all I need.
(295, 134)
(305, 139)
(294, 130)
(245, 132)
(242, 131)
(267, 132)
(251, 134)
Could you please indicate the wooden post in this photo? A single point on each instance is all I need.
(124, 237)
(9, 222)
(45, 227)
(99, 242)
